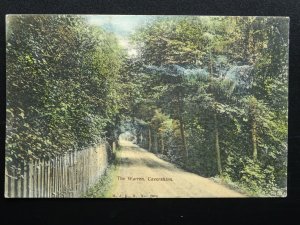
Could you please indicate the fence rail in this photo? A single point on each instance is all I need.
(69, 175)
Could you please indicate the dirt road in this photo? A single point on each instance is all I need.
(142, 174)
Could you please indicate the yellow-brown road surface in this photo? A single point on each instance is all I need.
(143, 175)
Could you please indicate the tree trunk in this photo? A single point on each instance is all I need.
(217, 145)
(149, 140)
(162, 149)
(155, 139)
(253, 127)
(141, 139)
(183, 137)
(181, 124)
(254, 140)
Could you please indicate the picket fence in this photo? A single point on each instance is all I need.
(65, 176)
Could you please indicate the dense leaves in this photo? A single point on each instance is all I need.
(207, 93)
(219, 94)
(61, 85)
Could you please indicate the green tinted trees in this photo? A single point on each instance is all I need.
(210, 93)
(61, 85)
(224, 79)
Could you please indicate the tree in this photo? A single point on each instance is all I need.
(61, 85)
(217, 76)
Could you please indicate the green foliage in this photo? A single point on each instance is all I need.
(103, 186)
(61, 85)
(209, 93)
(233, 69)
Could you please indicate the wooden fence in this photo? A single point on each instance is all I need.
(69, 175)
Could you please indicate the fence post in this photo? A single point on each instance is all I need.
(44, 179)
(69, 175)
(59, 176)
(36, 179)
(42, 168)
(76, 171)
(29, 184)
(54, 177)
(63, 177)
(13, 186)
(6, 193)
(17, 182)
(23, 180)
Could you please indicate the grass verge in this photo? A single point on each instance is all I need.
(103, 188)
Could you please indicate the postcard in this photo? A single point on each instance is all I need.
(136, 106)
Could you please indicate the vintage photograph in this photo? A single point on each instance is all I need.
(135, 106)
